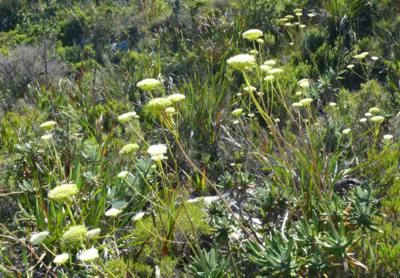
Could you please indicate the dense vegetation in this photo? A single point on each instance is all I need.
(199, 138)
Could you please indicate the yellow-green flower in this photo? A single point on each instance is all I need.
(129, 148)
(148, 84)
(48, 125)
(74, 236)
(252, 34)
(126, 117)
(304, 83)
(89, 255)
(237, 112)
(377, 119)
(374, 110)
(37, 238)
(306, 101)
(157, 152)
(63, 192)
(61, 259)
(242, 61)
(361, 56)
(159, 103)
(346, 131)
(176, 97)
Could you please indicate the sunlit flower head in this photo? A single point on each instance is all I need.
(252, 34)
(351, 66)
(288, 24)
(126, 117)
(159, 103)
(377, 119)
(129, 149)
(237, 112)
(260, 41)
(47, 137)
(138, 216)
(249, 89)
(265, 68)
(306, 101)
(289, 16)
(91, 234)
(88, 255)
(37, 238)
(270, 62)
(170, 110)
(148, 84)
(253, 52)
(374, 58)
(251, 115)
(302, 26)
(304, 83)
(311, 15)
(297, 105)
(61, 259)
(176, 97)
(374, 110)
(242, 61)
(363, 120)
(123, 174)
(157, 152)
(361, 56)
(63, 192)
(332, 104)
(368, 115)
(276, 71)
(48, 125)
(299, 14)
(113, 212)
(74, 235)
(299, 93)
(269, 78)
(297, 10)
(346, 131)
(388, 137)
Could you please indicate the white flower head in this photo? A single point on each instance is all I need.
(47, 137)
(306, 101)
(377, 119)
(148, 84)
(350, 66)
(237, 112)
(129, 149)
(61, 259)
(123, 174)
(297, 105)
(388, 137)
(126, 117)
(88, 255)
(275, 71)
(304, 83)
(252, 34)
(138, 216)
(346, 131)
(176, 97)
(332, 104)
(157, 152)
(48, 125)
(37, 238)
(242, 61)
(270, 62)
(361, 56)
(93, 233)
(363, 120)
(113, 212)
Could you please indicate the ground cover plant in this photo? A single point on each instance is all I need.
(199, 138)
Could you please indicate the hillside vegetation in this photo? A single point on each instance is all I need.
(199, 138)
